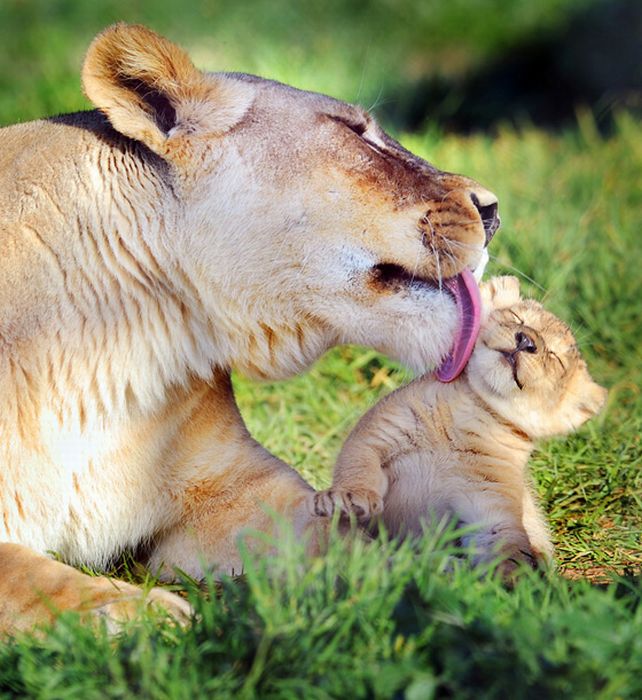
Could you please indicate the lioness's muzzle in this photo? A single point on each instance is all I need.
(488, 212)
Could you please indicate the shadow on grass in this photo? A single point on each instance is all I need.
(594, 59)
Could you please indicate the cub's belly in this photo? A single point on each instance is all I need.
(423, 488)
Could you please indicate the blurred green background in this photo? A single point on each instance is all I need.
(468, 64)
(539, 101)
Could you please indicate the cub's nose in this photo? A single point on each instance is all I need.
(486, 204)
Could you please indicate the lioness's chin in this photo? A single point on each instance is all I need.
(414, 324)
(424, 336)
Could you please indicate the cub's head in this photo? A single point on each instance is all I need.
(299, 220)
(527, 367)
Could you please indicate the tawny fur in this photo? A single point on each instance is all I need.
(431, 451)
(196, 222)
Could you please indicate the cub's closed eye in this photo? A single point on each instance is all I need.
(550, 352)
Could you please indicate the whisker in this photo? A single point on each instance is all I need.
(364, 69)
(417, 259)
(378, 100)
(516, 270)
(448, 243)
(435, 254)
(438, 266)
(459, 244)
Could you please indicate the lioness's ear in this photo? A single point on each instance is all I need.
(150, 90)
(500, 292)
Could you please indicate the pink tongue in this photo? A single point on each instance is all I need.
(464, 289)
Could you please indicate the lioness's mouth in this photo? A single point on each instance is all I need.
(393, 277)
(464, 291)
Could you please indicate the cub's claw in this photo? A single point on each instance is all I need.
(364, 504)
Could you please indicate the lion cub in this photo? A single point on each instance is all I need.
(432, 450)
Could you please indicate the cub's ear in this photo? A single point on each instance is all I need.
(585, 399)
(500, 292)
(150, 90)
(592, 399)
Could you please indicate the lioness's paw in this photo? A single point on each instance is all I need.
(364, 504)
(165, 601)
(128, 602)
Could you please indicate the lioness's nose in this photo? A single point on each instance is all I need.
(486, 204)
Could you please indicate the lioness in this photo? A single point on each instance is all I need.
(195, 222)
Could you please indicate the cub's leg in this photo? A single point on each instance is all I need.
(428, 486)
(33, 589)
(512, 523)
(497, 510)
(536, 527)
(361, 476)
(358, 486)
(359, 481)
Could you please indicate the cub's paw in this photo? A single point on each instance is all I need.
(513, 550)
(516, 559)
(364, 504)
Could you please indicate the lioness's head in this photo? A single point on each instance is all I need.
(299, 222)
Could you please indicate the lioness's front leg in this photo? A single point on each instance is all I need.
(226, 484)
(263, 496)
(33, 589)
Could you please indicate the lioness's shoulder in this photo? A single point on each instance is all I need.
(29, 150)
(80, 128)
(23, 145)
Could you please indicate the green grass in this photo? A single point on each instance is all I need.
(384, 621)
(374, 621)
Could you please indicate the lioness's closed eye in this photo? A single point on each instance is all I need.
(431, 449)
(192, 223)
